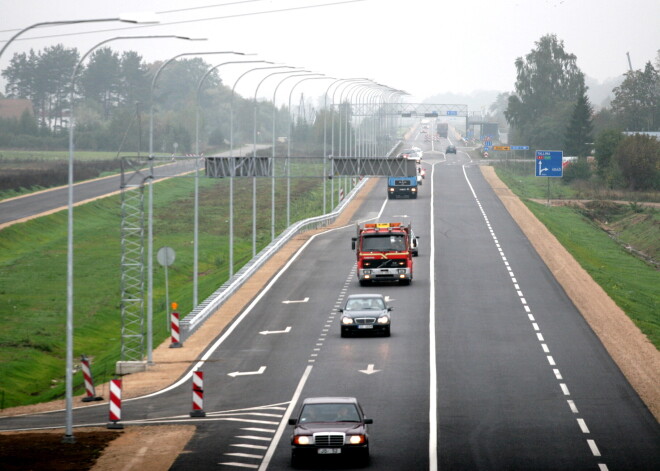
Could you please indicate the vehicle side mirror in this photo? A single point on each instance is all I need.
(340, 310)
(293, 421)
(368, 421)
(389, 308)
(353, 240)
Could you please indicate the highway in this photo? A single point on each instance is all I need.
(489, 365)
(33, 205)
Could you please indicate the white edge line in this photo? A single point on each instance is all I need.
(433, 373)
(285, 419)
(237, 321)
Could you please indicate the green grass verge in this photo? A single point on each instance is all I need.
(630, 281)
(33, 274)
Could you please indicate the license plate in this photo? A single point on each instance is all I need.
(329, 451)
(365, 326)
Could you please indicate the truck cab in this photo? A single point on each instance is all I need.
(402, 187)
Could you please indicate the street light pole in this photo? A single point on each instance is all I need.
(254, 154)
(69, 311)
(272, 197)
(150, 240)
(233, 166)
(288, 167)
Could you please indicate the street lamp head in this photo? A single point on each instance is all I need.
(187, 38)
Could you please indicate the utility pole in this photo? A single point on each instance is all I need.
(629, 63)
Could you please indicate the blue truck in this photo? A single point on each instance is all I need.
(402, 187)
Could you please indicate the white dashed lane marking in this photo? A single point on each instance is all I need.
(535, 325)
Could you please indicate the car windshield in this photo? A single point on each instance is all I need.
(383, 243)
(365, 304)
(329, 413)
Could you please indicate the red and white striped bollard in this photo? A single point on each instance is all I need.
(176, 334)
(198, 394)
(115, 404)
(89, 381)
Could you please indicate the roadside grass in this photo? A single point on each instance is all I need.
(630, 281)
(33, 275)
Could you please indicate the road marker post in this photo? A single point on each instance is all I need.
(89, 381)
(198, 394)
(176, 333)
(115, 404)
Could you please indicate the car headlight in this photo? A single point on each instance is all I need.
(356, 439)
(346, 320)
(302, 440)
(384, 320)
(367, 272)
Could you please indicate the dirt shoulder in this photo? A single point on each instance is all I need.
(137, 446)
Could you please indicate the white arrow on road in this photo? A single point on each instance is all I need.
(295, 301)
(246, 373)
(370, 370)
(285, 331)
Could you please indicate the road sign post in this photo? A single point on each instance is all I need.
(548, 163)
(166, 256)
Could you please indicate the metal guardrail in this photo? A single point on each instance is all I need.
(206, 308)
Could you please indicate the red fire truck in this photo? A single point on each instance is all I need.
(384, 252)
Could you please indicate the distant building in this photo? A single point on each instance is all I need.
(15, 107)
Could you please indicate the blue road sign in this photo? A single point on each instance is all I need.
(452, 113)
(519, 147)
(487, 148)
(549, 163)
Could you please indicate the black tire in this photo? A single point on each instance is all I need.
(296, 461)
(343, 334)
(386, 332)
(364, 459)
(364, 282)
(404, 282)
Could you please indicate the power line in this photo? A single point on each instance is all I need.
(165, 12)
(237, 15)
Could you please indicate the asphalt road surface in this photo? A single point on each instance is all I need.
(489, 365)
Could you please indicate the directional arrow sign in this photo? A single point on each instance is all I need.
(548, 163)
(293, 301)
(285, 331)
(370, 370)
(247, 373)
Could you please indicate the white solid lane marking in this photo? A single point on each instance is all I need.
(284, 422)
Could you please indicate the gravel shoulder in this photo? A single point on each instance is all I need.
(156, 447)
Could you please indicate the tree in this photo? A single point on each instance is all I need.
(605, 145)
(44, 78)
(637, 100)
(579, 134)
(638, 158)
(135, 82)
(547, 78)
(100, 81)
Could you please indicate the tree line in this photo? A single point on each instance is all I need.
(550, 109)
(112, 100)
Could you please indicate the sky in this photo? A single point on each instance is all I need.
(423, 47)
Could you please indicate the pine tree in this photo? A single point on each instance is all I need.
(579, 134)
